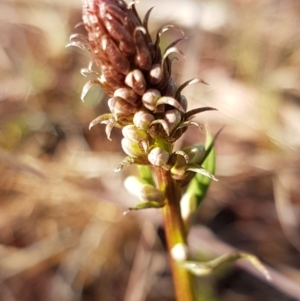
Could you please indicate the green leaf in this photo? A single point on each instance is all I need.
(199, 185)
(205, 268)
(146, 174)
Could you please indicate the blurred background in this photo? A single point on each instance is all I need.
(62, 233)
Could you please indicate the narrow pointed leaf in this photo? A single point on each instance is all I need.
(129, 161)
(188, 123)
(82, 45)
(205, 268)
(166, 100)
(188, 83)
(202, 171)
(145, 205)
(198, 186)
(169, 51)
(164, 29)
(87, 87)
(146, 18)
(198, 110)
(176, 42)
(126, 162)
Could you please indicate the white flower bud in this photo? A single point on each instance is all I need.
(173, 118)
(142, 119)
(150, 98)
(131, 132)
(131, 148)
(158, 156)
(128, 94)
(155, 74)
(135, 80)
(143, 190)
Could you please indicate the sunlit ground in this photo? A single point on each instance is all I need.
(62, 233)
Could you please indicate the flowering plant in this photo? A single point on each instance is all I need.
(153, 114)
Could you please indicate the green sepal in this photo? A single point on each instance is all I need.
(145, 205)
(205, 268)
(129, 161)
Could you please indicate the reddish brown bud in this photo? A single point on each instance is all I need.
(119, 105)
(135, 80)
(143, 56)
(117, 59)
(143, 119)
(144, 100)
(119, 33)
(127, 94)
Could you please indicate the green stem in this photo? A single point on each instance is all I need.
(175, 234)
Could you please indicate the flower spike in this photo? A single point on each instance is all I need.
(147, 105)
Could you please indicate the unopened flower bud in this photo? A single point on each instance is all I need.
(142, 119)
(111, 79)
(195, 152)
(173, 118)
(150, 98)
(132, 148)
(135, 80)
(143, 56)
(155, 74)
(143, 190)
(158, 156)
(170, 121)
(117, 59)
(117, 31)
(193, 155)
(119, 105)
(150, 194)
(131, 132)
(127, 94)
